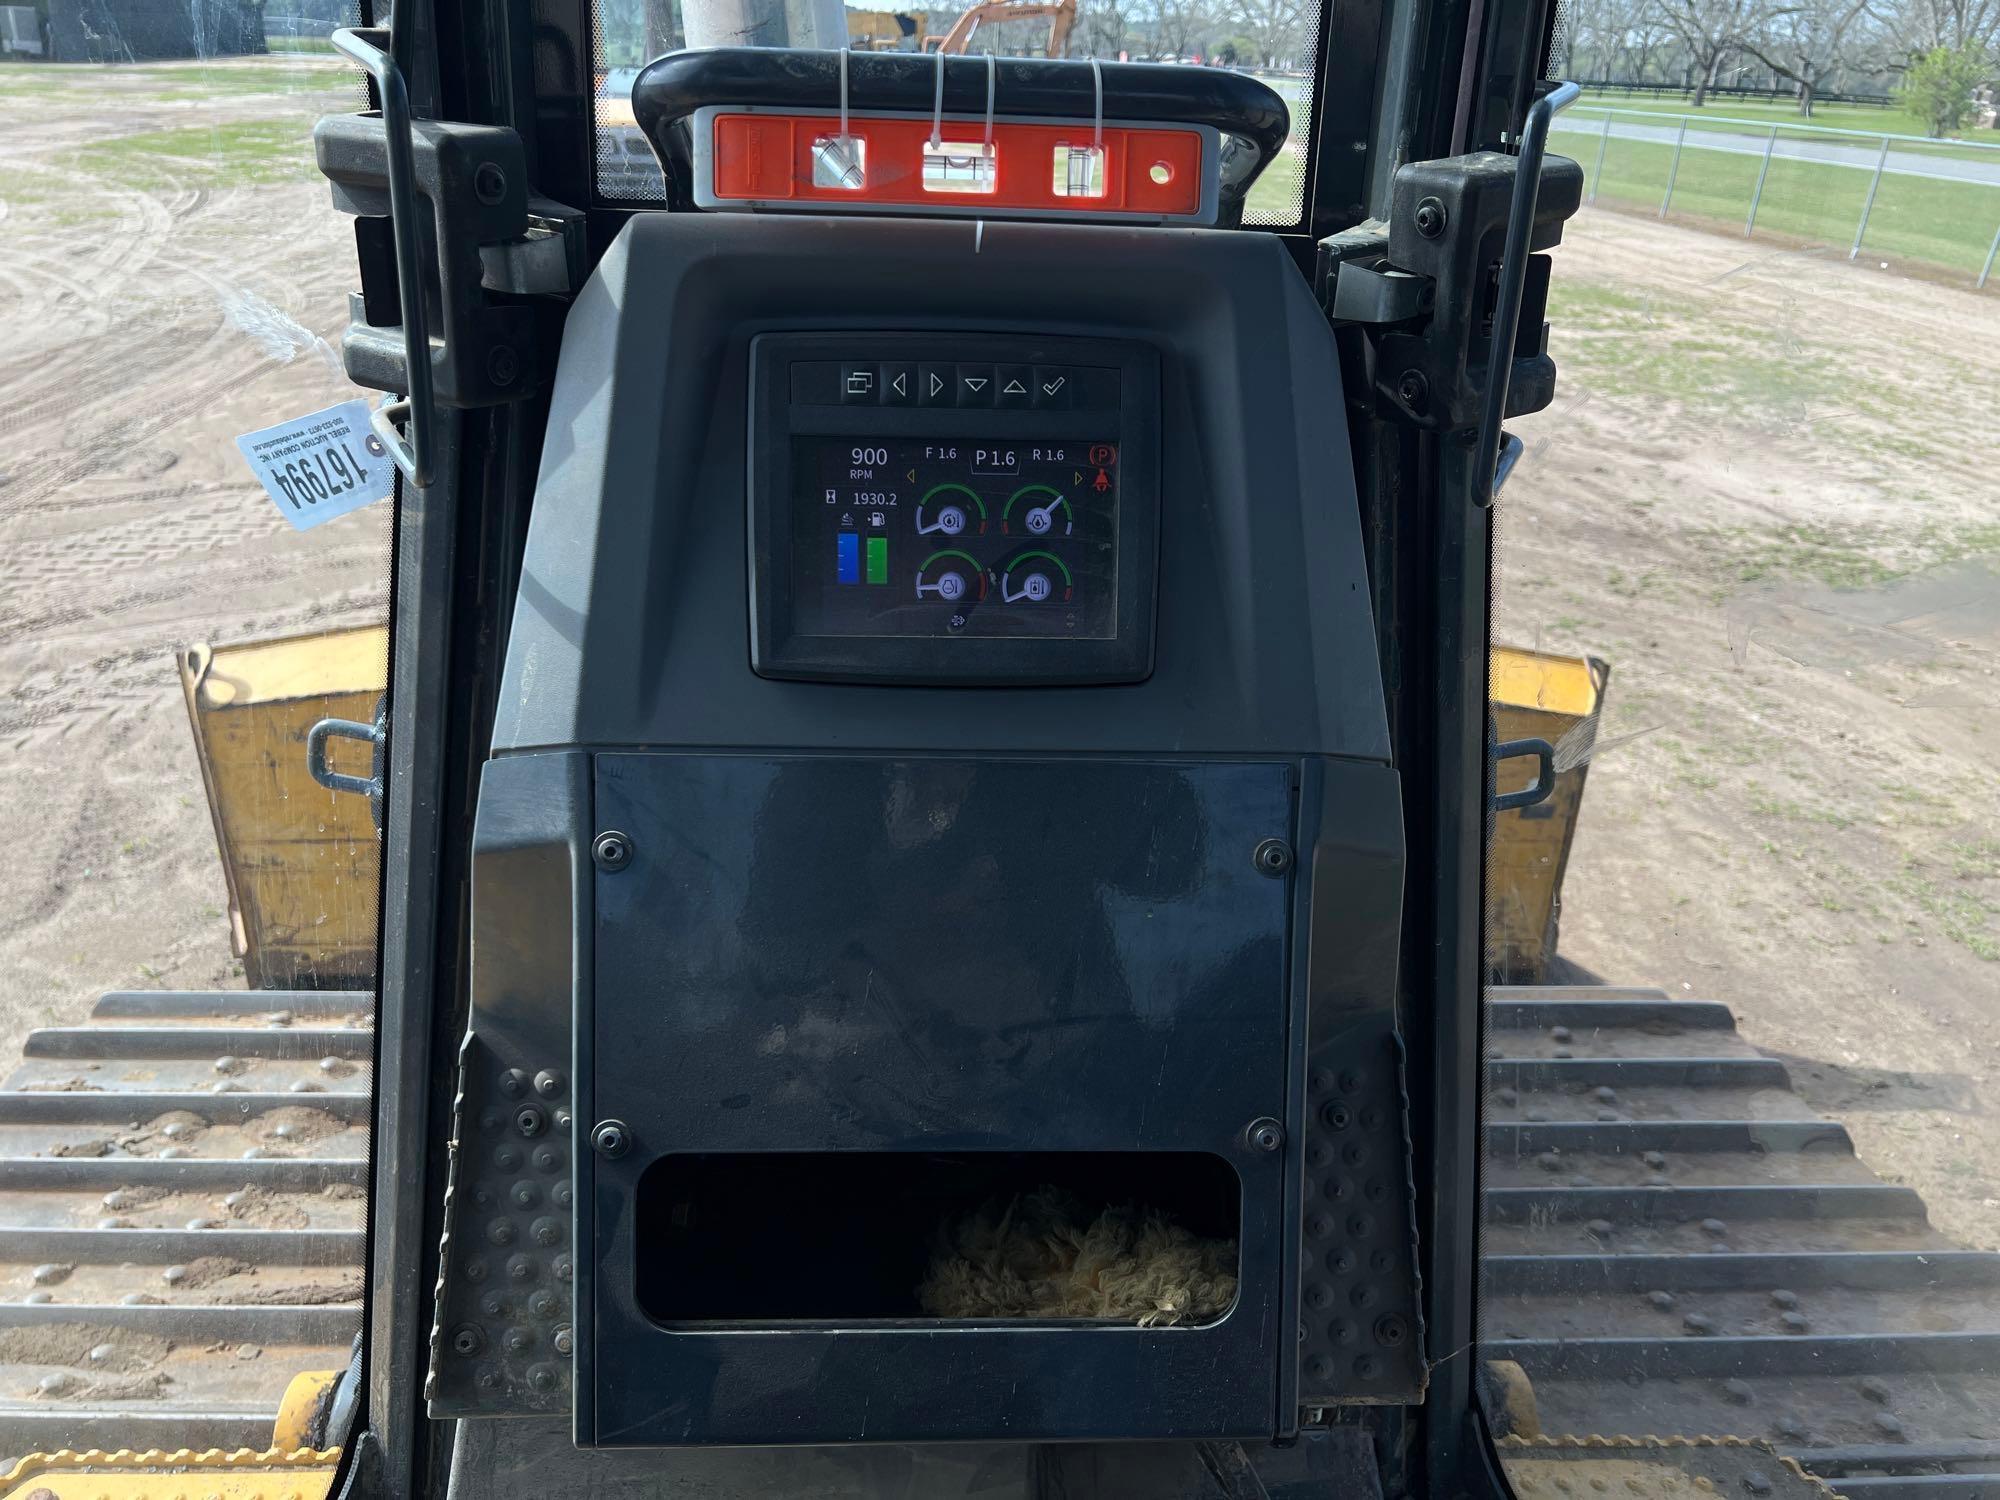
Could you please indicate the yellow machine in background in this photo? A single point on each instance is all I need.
(1060, 14)
(884, 30)
(889, 30)
(301, 889)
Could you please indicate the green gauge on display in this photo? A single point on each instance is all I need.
(1038, 509)
(1036, 578)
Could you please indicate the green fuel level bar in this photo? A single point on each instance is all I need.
(878, 559)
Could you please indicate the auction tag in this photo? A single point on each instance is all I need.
(321, 466)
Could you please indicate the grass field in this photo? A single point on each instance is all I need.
(1275, 197)
(1894, 118)
(179, 82)
(229, 153)
(186, 125)
(1977, 145)
(1945, 225)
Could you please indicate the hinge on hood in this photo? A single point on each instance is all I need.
(484, 250)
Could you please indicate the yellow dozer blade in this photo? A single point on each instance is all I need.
(1535, 695)
(301, 862)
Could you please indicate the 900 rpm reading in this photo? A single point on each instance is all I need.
(866, 462)
(954, 538)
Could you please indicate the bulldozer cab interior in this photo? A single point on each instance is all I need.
(916, 866)
(938, 894)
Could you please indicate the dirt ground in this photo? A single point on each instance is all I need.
(1768, 493)
(155, 305)
(171, 277)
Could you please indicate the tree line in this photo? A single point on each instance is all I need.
(1939, 55)
(1264, 34)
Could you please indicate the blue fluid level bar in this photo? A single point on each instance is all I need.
(847, 557)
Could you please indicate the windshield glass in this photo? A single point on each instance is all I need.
(1273, 43)
(187, 920)
(1742, 1031)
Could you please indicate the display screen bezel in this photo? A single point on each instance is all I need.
(779, 649)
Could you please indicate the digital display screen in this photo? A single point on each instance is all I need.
(955, 538)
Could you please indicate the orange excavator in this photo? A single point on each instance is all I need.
(958, 40)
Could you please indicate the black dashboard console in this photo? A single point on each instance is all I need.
(837, 881)
(953, 509)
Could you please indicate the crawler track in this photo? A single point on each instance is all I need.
(1694, 1253)
(182, 1198)
(1676, 1244)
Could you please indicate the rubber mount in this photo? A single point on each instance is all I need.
(1272, 857)
(611, 1138)
(612, 850)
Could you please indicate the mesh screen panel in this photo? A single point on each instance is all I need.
(1555, 64)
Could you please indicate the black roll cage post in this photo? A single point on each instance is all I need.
(1463, 75)
(1400, 83)
(455, 554)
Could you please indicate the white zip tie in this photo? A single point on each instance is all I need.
(937, 108)
(1097, 123)
(843, 98)
(992, 76)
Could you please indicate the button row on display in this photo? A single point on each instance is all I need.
(1042, 387)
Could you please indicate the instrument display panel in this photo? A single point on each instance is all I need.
(953, 509)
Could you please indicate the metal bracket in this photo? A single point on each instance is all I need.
(490, 238)
(1380, 294)
(1514, 282)
(375, 735)
(1446, 285)
(1544, 783)
(419, 407)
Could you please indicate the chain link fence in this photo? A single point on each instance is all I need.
(1907, 201)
